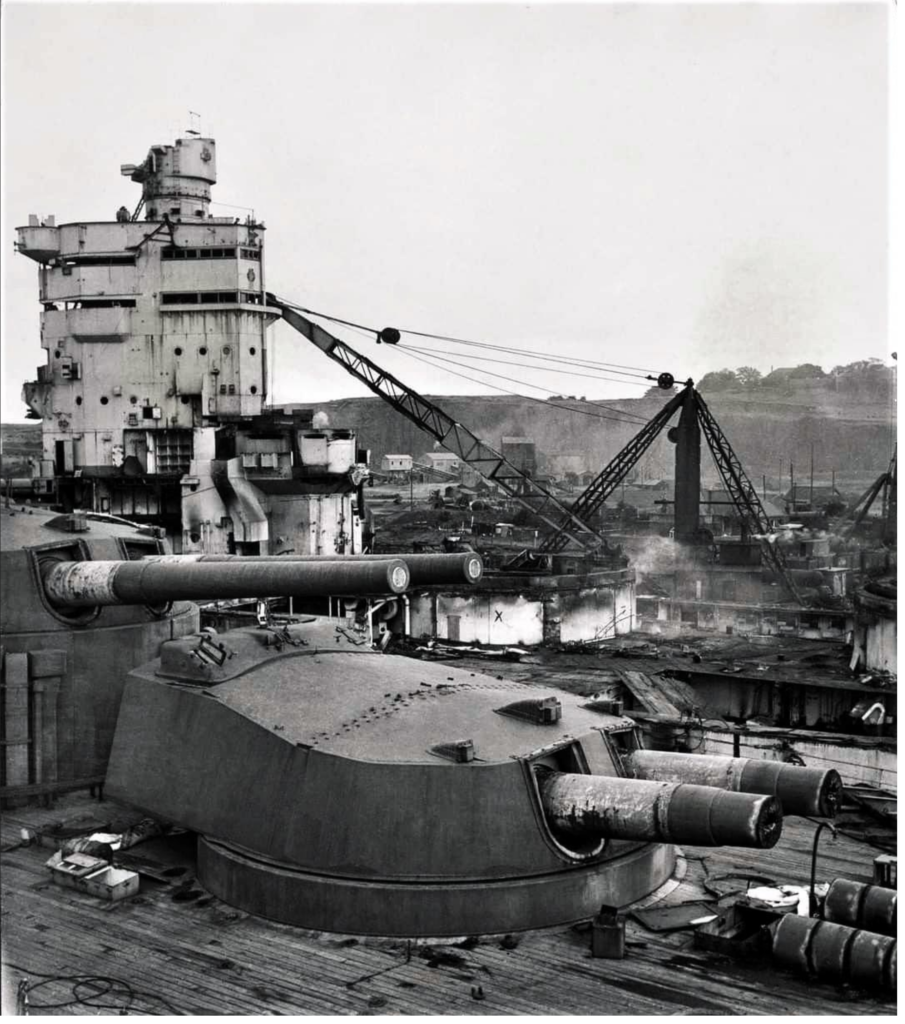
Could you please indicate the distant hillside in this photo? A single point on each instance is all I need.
(851, 433)
(20, 439)
(767, 430)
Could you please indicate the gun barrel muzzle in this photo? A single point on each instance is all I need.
(620, 808)
(814, 792)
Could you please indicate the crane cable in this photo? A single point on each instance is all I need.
(546, 402)
(570, 360)
(503, 376)
(525, 366)
(641, 372)
(409, 350)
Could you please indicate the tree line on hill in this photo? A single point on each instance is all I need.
(748, 377)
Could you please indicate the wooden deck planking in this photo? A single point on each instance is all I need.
(700, 986)
(178, 949)
(187, 965)
(157, 939)
(641, 976)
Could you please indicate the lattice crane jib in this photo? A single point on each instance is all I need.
(446, 431)
(743, 495)
(863, 505)
(890, 504)
(591, 500)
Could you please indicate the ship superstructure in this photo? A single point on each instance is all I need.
(152, 400)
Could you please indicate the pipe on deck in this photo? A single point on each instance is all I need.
(814, 792)
(424, 569)
(620, 808)
(95, 583)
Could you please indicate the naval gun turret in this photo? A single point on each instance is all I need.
(335, 788)
(331, 786)
(63, 667)
(86, 597)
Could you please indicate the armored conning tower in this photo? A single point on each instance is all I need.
(152, 400)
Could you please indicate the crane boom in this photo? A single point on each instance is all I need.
(862, 506)
(445, 430)
(890, 498)
(885, 483)
(743, 494)
(602, 486)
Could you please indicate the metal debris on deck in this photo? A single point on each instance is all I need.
(675, 917)
(92, 875)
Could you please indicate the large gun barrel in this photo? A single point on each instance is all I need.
(93, 583)
(836, 952)
(619, 808)
(804, 791)
(423, 569)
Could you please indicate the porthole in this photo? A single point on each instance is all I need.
(186, 399)
(226, 350)
(78, 400)
(57, 353)
(104, 400)
(178, 350)
(253, 389)
(133, 399)
(202, 351)
(253, 351)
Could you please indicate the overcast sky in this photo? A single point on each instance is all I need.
(671, 187)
